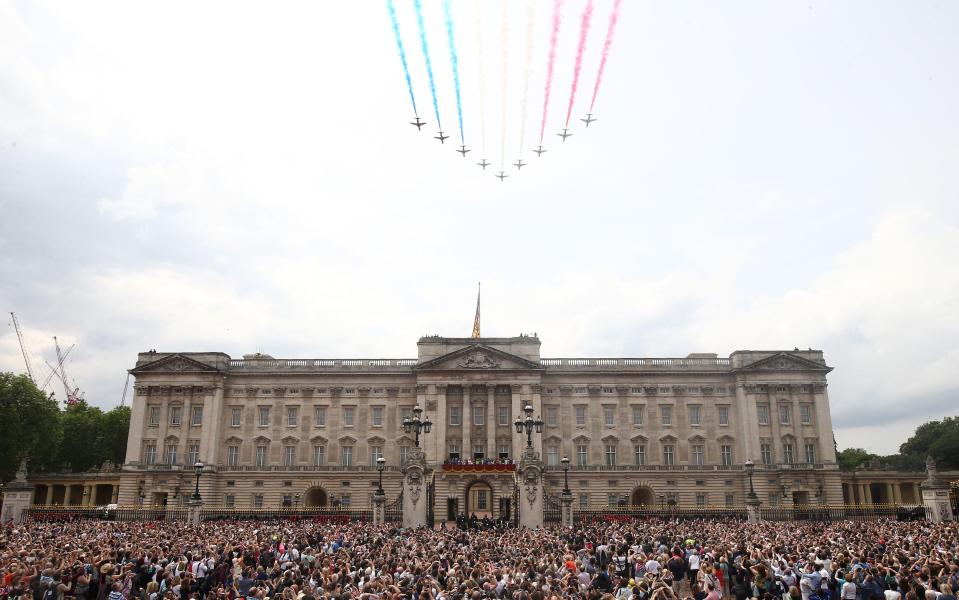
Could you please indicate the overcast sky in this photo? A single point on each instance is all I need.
(239, 177)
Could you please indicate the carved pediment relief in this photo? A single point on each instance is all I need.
(234, 441)
(261, 440)
(290, 439)
(476, 358)
(611, 439)
(639, 439)
(347, 440)
(783, 361)
(582, 439)
(375, 441)
(318, 440)
(174, 363)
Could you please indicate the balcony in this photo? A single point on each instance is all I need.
(455, 466)
(636, 364)
(322, 364)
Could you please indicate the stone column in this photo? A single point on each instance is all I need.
(566, 499)
(210, 434)
(438, 435)
(517, 413)
(896, 494)
(86, 496)
(67, 492)
(379, 508)
(138, 404)
(935, 495)
(868, 488)
(531, 490)
(115, 494)
(537, 403)
(414, 489)
(889, 495)
(491, 422)
(49, 499)
(465, 422)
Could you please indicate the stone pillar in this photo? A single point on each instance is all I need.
(210, 428)
(67, 488)
(415, 494)
(138, 405)
(889, 495)
(491, 422)
(466, 449)
(531, 490)
(935, 495)
(566, 499)
(194, 510)
(868, 488)
(437, 440)
(379, 508)
(115, 494)
(16, 497)
(86, 496)
(896, 494)
(517, 413)
(49, 498)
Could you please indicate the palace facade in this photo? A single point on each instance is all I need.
(308, 432)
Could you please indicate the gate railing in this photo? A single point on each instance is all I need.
(393, 512)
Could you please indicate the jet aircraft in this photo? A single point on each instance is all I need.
(484, 163)
(539, 150)
(565, 134)
(419, 123)
(589, 119)
(463, 151)
(519, 164)
(442, 138)
(502, 176)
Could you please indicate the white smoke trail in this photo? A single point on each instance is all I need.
(504, 41)
(530, 28)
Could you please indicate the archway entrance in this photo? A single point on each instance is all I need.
(642, 496)
(479, 499)
(315, 497)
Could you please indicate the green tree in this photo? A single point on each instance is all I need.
(850, 458)
(937, 438)
(82, 446)
(116, 428)
(31, 425)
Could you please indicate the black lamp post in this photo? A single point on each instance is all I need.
(750, 467)
(380, 465)
(198, 467)
(565, 461)
(529, 424)
(416, 425)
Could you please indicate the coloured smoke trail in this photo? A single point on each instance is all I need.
(455, 62)
(481, 61)
(504, 39)
(530, 28)
(613, 19)
(583, 30)
(426, 55)
(399, 45)
(554, 34)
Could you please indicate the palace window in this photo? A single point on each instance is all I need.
(319, 416)
(264, 416)
(479, 451)
(700, 500)
(638, 416)
(175, 413)
(503, 415)
(232, 455)
(292, 415)
(257, 500)
(349, 415)
(766, 453)
(810, 452)
(730, 500)
(235, 415)
(609, 416)
(785, 414)
(260, 456)
(406, 413)
(723, 415)
(375, 453)
(610, 455)
(763, 413)
(669, 455)
(319, 455)
(229, 500)
(479, 415)
(346, 500)
(581, 453)
(698, 454)
(552, 456)
(503, 452)
(726, 453)
(788, 454)
(346, 456)
(612, 499)
(454, 415)
(584, 500)
(551, 416)
(289, 455)
(639, 454)
(404, 455)
(171, 454)
(666, 415)
(193, 454)
(580, 415)
(376, 416)
(154, 415)
(196, 416)
(454, 451)
(805, 414)
(694, 416)
(150, 454)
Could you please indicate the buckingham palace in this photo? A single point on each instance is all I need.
(636, 431)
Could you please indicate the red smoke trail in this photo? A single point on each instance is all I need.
(583, 30)
(557, 5)
(613, 18)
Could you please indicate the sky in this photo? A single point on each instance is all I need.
(242, 177)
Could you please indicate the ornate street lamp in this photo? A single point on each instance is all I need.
(380, 465)
(529, 424)
(416, 425)
(565, 461)
(750, 467)
(198, 467)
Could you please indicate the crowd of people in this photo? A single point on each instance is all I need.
(628, 560)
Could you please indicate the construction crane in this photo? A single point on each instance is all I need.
(73, 395)
(55, 371)
(23, 347)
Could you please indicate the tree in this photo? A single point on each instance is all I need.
(940, 439)
(850, 458)
(31, 425)
(92, 437)
(116, 428)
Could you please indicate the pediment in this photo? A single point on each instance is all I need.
(174, 363)
(784, 361)
(478, 358)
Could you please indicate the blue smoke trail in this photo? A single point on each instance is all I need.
(426, 55)
(399, 45)
(455, 60)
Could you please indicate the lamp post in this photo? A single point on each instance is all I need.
(380, 465)
(529, 424)
(198, 467)
(565, 462)
(750, 467)
(416, 424)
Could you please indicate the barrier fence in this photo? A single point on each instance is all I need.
(140, 513)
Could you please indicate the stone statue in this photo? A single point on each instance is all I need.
(22, 470)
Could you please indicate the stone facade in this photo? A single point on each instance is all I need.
(642, 431)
